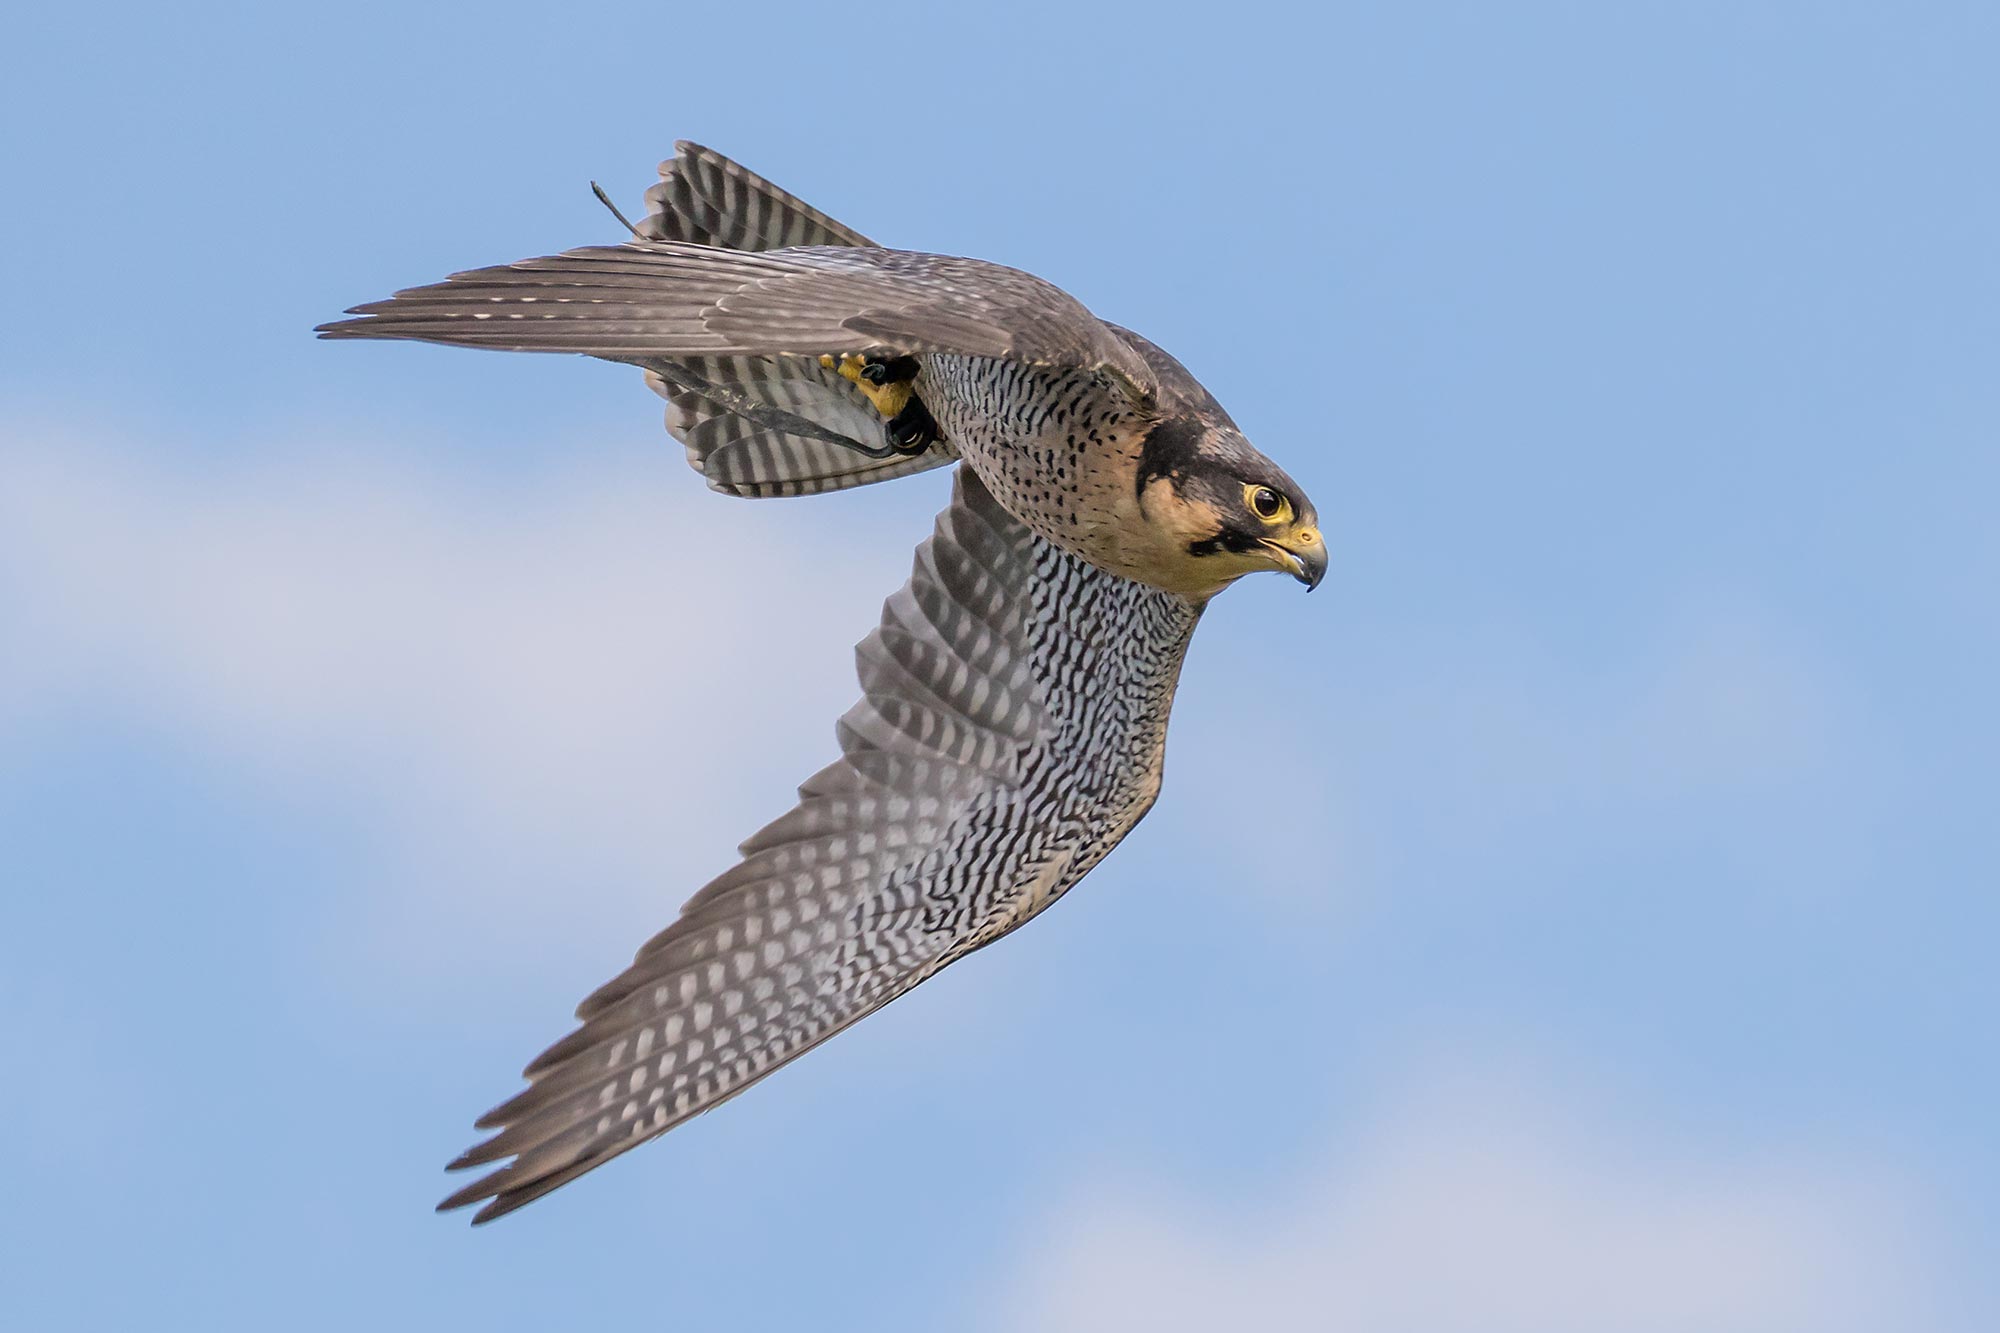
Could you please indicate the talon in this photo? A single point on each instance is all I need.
(913, 429)
(901, 370)
(907, 424)
(886, 383)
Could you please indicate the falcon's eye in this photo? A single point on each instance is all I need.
(1267, 504)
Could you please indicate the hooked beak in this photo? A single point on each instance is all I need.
(1302, 554)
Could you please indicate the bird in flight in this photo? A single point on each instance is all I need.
(1015, 694)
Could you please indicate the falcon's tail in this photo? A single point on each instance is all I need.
(705, 198)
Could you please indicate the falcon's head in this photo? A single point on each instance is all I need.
(1223, 509)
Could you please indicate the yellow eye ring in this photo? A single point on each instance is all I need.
(1267, 504)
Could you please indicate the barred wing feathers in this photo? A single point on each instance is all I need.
(647, 300)
(1013, 714)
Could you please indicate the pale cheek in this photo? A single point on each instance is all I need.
(1176, 519)
(1157, 552)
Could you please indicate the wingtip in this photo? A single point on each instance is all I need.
(355, 323)
(495, 1210)
(480, 1218)
(498, 1200)
(467, 1159)
(486, 1187)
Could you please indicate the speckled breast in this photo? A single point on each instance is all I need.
(1058, 448)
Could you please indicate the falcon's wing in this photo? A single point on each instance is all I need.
(1014, 710)
(662, 300)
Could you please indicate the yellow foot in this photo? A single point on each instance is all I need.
(889, 397)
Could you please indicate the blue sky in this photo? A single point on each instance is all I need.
(1576, 915)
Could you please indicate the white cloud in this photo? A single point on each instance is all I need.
(524, 690)
(1477, 1203)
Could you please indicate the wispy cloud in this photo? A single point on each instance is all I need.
(518, 689)
(1486, 1200)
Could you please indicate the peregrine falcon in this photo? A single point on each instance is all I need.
(1015, 694)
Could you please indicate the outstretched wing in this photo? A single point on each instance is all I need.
(1013, 714)
(652, 300)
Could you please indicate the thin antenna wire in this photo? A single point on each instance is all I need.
(605, 199)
